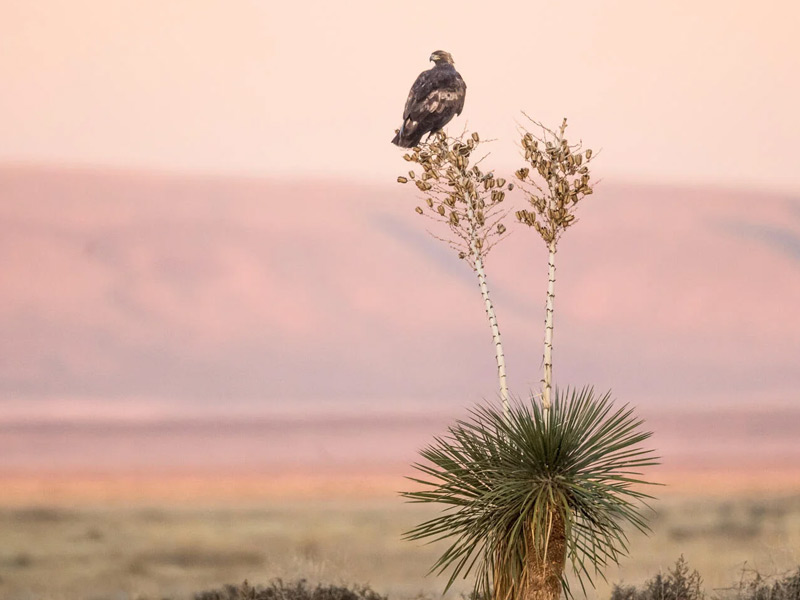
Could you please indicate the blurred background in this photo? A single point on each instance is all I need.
(225, 334)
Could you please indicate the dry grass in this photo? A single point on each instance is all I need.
(173, 552)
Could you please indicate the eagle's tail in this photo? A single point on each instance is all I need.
(403, 140)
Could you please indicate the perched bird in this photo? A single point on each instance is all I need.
(435, 98)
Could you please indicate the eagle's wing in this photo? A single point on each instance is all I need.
(419, 91)
(462, 93)
(433, 93)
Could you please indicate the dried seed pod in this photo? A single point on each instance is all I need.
(419, 210)
(407, 157)
(522, 173)
(429, 201)
(501, 229)
(501, 182)
(587, 190)
(462, 255)
(475, 136)
(588, 154)
(411, 174)
(510, 186)
(454, 218)
(402, 179)
(440, 209)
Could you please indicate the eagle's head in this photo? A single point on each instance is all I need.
(440, 56)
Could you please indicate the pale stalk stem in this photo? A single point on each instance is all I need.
(547, 381)
(498, 344)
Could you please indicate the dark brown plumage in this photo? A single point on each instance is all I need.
(435, 98)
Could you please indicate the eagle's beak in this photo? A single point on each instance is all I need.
(431, 58)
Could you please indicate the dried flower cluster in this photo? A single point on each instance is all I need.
(465, 198)
(562, 182)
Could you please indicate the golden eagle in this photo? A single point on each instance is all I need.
(436, 97)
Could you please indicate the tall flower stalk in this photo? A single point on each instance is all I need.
(556, 180)
(467, 201)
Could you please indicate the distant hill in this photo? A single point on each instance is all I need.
(145, 295)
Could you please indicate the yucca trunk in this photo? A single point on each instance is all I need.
(544, 568)
(540, 578)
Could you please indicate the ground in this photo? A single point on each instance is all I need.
(173, 550)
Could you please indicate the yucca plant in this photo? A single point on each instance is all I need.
(540, 484)
(527, 494)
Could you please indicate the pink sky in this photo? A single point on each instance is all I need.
(676, 92)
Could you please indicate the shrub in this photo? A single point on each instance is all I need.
(681, 584)
(677, 584)
(758, 587)
(278, 590)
